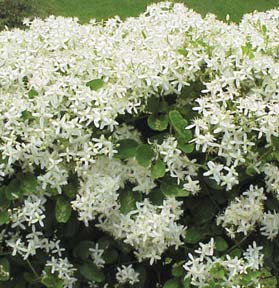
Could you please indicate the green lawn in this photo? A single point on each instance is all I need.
(102, 9)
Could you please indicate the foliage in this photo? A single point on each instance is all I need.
(12, 12)
(140, 153)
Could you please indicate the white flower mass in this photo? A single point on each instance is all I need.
(63, 90)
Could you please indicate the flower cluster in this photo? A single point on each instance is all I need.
(126, 274)
(242, 215)
(205, 268)
(150, 229)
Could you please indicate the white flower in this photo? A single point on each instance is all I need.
(253, 256)
(96, 255)
(192, 186)
(215, 171)
(150, 229)
(242, 215)
(126, 274)
(64, 269)
(270, 225)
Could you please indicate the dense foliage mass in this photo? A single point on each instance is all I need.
(12, 12)
(141, 153)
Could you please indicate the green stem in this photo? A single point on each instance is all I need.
(238, 243)
(32, 268)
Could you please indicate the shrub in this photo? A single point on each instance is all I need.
(12, 12)
(141, 153)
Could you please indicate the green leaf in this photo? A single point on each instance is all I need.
(158, 170)
(173, 190)
(128, 199)
(4, 269)
(90, 271)
(95, 84)
(172, 283)
(221, 244)
(63, 210)
(156, 197)
(81, 250)
(110, 256)
(276, 155)
(275, 142)
(127, 148)
(236, 253)
(152, 105)
(29, 277)
(13, 190)
(4, 202)
(52, 281)
(177, 270)
(71, 189)
(185, 147)
(32, 93)
(144, 155)
(251, 171)
(179, 124)
(29, 184)
(26, 115)
(193, 236)
(104, 242)
(186, 283)
(159, 138)
(158, 122)
(217, 271)
(4, 217)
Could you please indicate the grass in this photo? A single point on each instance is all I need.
(103, 9)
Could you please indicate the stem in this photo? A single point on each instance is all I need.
(32, 268)
(238, 243)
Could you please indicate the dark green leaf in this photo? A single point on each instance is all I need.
(236, 253)
(4, 202)
(179, 124)
(250, 170)
(4, 269)
(63, 210)
(217, 271)
(184, 146)
(172, 283)
(152, 104)
(81, 250)
(173, 190)
(128, 199)
(4, 217)
(29, 277)
(13, 190)
(275, 142)
(159, 138)
(52, 281)
(158, 122)
(193, 236)
(156, 196)
(90, 271)
(144, 155)
(28, 184)
(186, 283)
(71, 189)
(177, 270)
(158, 169)
(221, 244)
(127, 148)
(110, 256)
